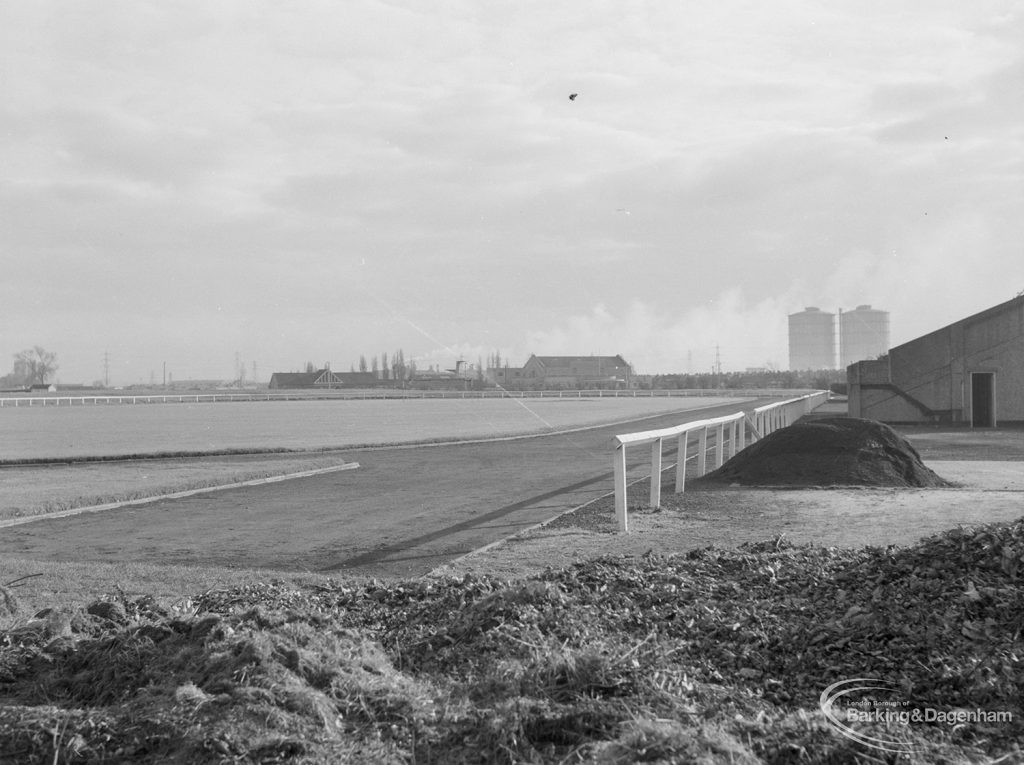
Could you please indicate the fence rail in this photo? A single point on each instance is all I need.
(729, 430)
(196, 398)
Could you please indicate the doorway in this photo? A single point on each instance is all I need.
(983, 399)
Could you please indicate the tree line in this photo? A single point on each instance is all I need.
(819, 379)
(383, 367)
(397, 368)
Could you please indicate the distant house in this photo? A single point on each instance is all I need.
(574, 372)
(322, 379)
(970, 372)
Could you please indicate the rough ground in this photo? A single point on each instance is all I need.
(715, 654)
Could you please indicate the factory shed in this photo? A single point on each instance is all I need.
(321, 379)
(970, 373)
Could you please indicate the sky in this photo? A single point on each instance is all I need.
(193, 185)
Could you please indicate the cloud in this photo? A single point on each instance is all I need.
(930, 277)
(261, 171)
(726, 328)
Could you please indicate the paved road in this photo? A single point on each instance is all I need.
(402, 513)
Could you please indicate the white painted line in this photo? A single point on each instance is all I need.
(176, 495)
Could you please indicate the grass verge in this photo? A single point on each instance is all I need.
(32, 491)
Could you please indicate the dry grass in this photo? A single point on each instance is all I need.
(70, 584)
(714, 657)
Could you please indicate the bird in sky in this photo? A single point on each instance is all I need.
(572, 96)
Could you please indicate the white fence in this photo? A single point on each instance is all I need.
(730, 429)
(298, 395)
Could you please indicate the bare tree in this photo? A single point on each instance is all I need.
(398, 366)
(362, 363)
(35, 365)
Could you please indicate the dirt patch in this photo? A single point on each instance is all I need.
(723, 515)
(838, 451)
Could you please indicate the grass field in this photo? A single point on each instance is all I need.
(77, 432)
(29, 491)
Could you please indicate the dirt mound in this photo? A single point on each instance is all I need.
(837, 451)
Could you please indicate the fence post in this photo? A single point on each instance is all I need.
(719, 444)
(702, 451)
(681, 462)
(741, 426)
(733, 432)
(656, 474)
(620, 487)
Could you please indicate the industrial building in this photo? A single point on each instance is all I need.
(460, 378)
(863, 334)
(970, 372)
(567, 372)
(322, 379)
(812, 339)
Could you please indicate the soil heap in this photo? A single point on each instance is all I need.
(835, 451)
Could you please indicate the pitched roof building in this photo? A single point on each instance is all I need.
(322, 379)
(577, 372)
